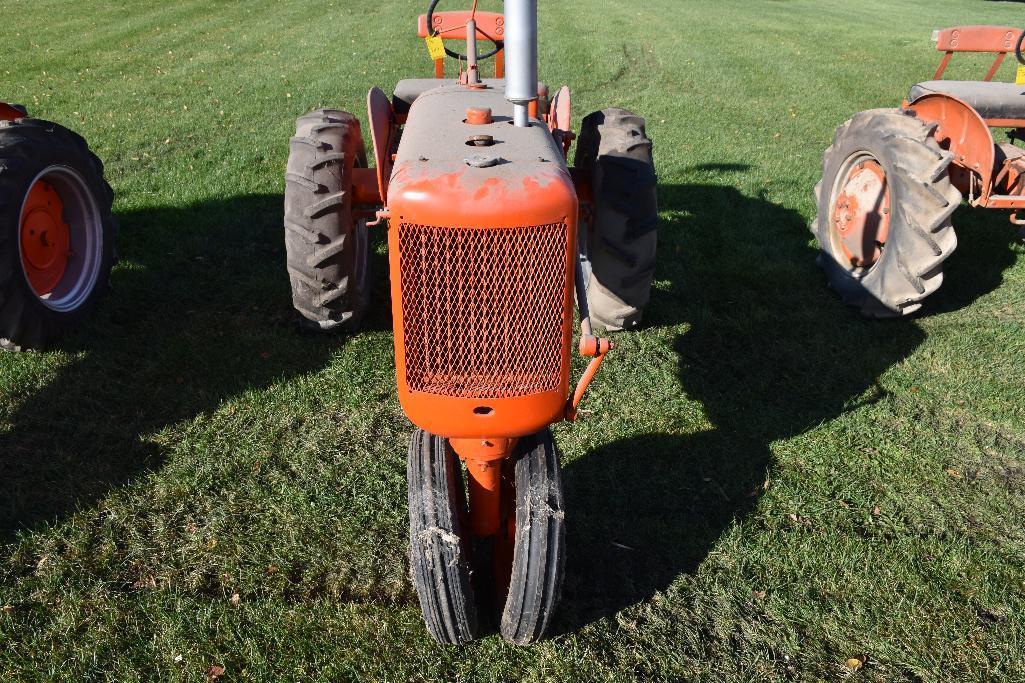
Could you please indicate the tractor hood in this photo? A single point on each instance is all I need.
(440, 176)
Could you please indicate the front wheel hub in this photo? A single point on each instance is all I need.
(45, 238)
(860, 217)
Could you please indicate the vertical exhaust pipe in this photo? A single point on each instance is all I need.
(521, 57)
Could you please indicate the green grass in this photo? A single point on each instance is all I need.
(764, 485)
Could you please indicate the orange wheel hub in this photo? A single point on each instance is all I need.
(45, 238)
(861, 214)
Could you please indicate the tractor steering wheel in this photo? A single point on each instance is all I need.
(1017, 48)
(455, 55)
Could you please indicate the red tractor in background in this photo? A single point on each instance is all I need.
(893, 177)
(56, 230)
(490, 233)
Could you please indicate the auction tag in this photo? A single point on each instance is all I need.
(1020, 77)
(435, 46)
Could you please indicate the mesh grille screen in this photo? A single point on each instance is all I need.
(483, 310)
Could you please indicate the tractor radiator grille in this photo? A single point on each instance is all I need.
(483, 310)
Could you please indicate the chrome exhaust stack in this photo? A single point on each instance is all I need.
(521, 57)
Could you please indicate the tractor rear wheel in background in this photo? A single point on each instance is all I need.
(327, 248)
(439, 546)
(539, 542)
(621, 243)
(884, 207)
(57, 232)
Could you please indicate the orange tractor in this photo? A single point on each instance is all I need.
(56, 230)
(487, 242)
(893, 177)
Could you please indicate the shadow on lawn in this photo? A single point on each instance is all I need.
(770, 353)
(201, 311)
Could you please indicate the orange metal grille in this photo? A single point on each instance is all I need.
(483, 310)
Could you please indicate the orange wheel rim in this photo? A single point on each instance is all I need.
(861, 213)
(45, 239)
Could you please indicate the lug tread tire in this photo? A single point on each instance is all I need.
(27, 146)
(327, 250)
(438, 548)
(922, 200)
(539, 550)
(614, 147)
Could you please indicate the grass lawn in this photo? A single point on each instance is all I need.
(764, 486)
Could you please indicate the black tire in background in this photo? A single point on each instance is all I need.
(621, 244)
(921, 235)
(327, 250)
(439, 547)
(539, 546)
(30, 149)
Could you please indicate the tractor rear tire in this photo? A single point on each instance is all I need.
(37, 154)
(539, 545)
(621, 245)
(327, 248)
(920, 235)
(439, 548)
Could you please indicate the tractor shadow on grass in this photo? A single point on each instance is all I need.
(200, 312)
(770, 352)
(984, 252)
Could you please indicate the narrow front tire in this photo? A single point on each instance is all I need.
(439, 548)
(539, 545)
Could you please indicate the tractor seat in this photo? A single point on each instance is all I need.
(992, 100)
(407, 90)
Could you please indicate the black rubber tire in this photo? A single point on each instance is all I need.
(327, 249)
(27, 147)
(439, 550)
(539, 547)
(922, 199)
(621, 245)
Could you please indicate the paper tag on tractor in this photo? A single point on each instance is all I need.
(435, 46)
(1020, 77)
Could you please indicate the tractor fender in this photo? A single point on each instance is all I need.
(961, 131)
(384, 136)
(10, 112)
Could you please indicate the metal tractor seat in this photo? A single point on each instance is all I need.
(992, 100)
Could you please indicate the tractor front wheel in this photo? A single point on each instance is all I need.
(884, 207)
(539, 541)
(56, 232)
(439, 548)
(327, 249)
